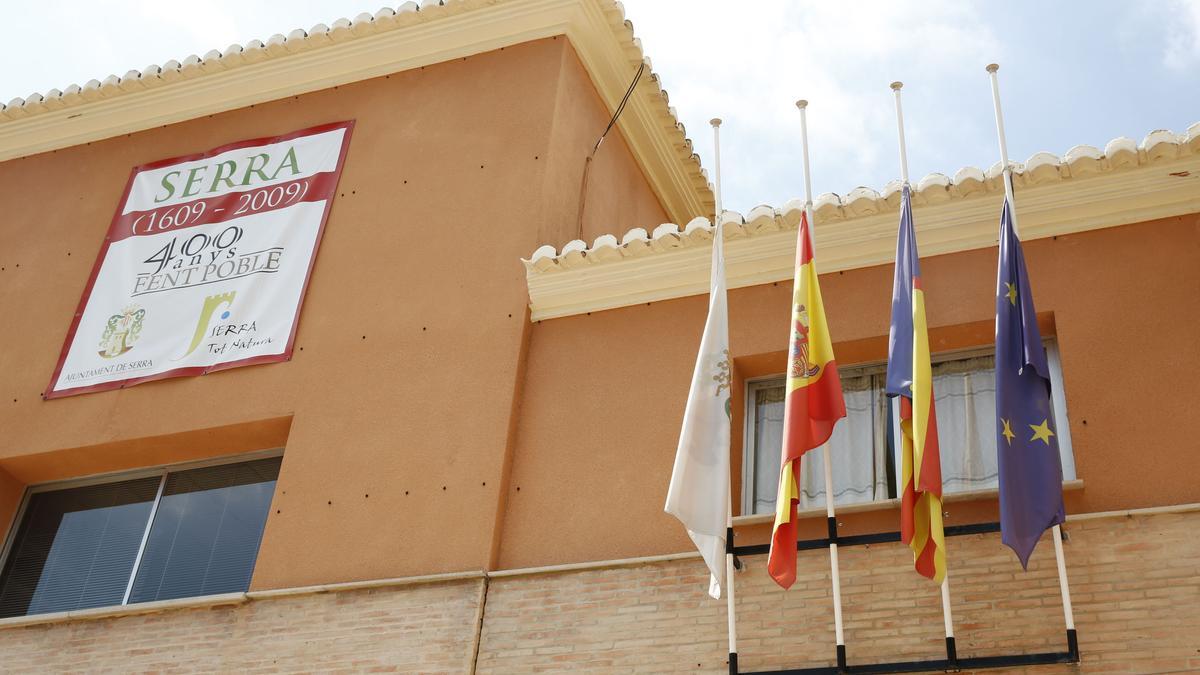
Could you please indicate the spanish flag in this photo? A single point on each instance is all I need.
(910, 377)
(813, 403)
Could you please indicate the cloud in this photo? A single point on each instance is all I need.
(748, 65)
(215, 26)
(747, 62)
(1183, 36)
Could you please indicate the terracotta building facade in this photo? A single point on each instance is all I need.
(462, 466)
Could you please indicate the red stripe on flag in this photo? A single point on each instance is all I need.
(782, 567)
(930, 479)
(781, 563)
(924, 563)
(804, 247)
(811, 412)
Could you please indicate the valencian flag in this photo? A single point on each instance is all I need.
(813, 403)
(699, 491)
(910, 379)
(1030, 469)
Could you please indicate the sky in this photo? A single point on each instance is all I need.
(1072, 72)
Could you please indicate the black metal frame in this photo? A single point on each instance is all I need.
(951, 663)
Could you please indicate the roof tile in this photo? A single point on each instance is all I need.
(1078, 163)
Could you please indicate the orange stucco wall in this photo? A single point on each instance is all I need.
(604, 393)
(396, 410)
(429, 426)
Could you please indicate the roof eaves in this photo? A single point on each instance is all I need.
(234, 56)
(368, 46)
(1087, 188)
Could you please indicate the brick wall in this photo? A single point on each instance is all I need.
(1135, 582)
(408, 629)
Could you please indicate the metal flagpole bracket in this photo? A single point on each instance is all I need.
(953, 661)
(737, 562)
(831, 529)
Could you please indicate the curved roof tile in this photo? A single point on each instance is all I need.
(364, 25)
(1041, 168)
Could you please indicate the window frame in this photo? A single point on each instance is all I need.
(748, 445)
(115, 477)
(1058, 403)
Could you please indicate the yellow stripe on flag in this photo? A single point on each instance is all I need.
(922, 386)
(820, 347)
(922, 460)
(788, 490)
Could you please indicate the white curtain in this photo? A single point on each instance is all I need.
(859, 471)
(768, 445)
(965, 396)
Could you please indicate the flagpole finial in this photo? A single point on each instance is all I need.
(802, 104)
(716, 121)
(993, 67)
(896, 86)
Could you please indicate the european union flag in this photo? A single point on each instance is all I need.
(1030, 469)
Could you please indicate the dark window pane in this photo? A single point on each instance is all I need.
(75, 548)
(206, 531)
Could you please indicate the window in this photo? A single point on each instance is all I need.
(863, 449)
(176, 533)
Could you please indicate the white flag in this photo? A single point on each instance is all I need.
(699, 492)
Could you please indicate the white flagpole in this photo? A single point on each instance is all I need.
(1064, 589)
(829, 513)
(947, 616)
(731, 609)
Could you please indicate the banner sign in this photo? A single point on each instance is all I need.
(205, 263)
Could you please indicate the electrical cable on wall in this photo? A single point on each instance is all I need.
(587, 163)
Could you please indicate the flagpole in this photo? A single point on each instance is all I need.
(947, 616)
(829, 512)
(731, 611)
(1063, 587)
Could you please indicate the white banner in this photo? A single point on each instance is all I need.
(205, 264)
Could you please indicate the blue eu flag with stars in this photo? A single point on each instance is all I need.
(1026, 436)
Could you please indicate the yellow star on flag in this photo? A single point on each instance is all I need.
(1012, 293)
(1007, 433)
(1041, 431)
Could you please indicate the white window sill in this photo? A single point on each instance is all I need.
(886, 504)
(126, 610)
(226, 599)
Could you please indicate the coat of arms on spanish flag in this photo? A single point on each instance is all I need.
(813, 403)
